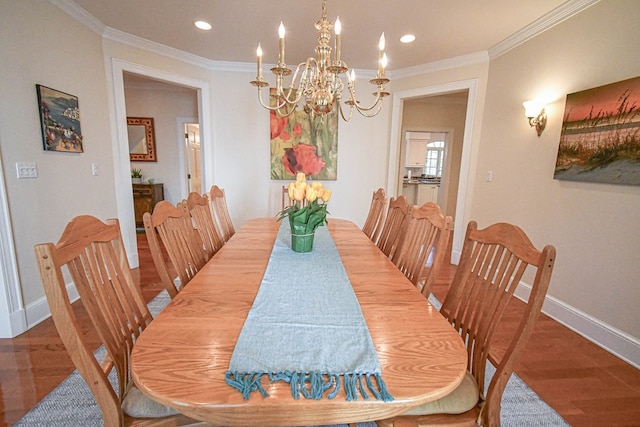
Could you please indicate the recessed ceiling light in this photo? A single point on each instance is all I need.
(407, 38)
(203, 25)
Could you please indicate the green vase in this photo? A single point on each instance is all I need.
(302, 242)
(303, 223)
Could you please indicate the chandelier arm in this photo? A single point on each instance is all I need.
(278, 108)
(307, 74)
(365, 112)
(376, 103)
(286, 113)
(299, 88)
(286, 96)
(280, 93)
(347, 118)
(292, 87)
(268, 107)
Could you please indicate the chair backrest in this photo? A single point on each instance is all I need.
(375, 219)
(204, 221)
(422, 245)
(93, 254)
(286, 200)
(181, 241)
(492, 263)
(397, 213)
(219, 208)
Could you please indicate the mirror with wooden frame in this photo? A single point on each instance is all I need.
(142, 143)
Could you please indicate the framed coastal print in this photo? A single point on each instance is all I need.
(600, 138)
(59, 120)
(302, 143)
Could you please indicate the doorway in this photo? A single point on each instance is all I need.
(395, 148)
(193, 167)
(122, 173)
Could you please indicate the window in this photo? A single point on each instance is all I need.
(434, 159)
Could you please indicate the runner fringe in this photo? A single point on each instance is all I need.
(313, 385)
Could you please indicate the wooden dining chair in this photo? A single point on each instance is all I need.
(286, 200)
(491, 267)
(375, 219)
(205, 223)
(397, 213)
(91, 252)
(183, 244)
(422, 245)
(221, 211)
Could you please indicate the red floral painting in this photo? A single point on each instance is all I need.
(300, 143)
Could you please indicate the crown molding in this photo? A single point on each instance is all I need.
(97, 26)
(160, 49)
(556, 16)
(80, 15)
(444, 64)
(561, 13)
(170, 52)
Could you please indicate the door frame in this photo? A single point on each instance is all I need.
(121, 163)
(465, 179)
(13, 317)
(181, 122)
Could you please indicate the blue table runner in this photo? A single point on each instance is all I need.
(306, 328)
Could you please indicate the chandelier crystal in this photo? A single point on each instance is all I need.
(319, 79)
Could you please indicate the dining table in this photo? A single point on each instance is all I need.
(182, 358)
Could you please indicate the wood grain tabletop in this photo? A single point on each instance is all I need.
(181, 358)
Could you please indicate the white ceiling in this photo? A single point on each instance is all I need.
(444, 28)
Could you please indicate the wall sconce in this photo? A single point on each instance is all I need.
(536, 115)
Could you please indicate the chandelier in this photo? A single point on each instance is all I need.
(319, 79)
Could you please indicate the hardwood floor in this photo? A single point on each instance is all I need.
(585, 384)
(35, 362)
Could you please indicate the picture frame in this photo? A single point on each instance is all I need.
(600, 137)
(142, 140)
(59, 120)
(300, 142)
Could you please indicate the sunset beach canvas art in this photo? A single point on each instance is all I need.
(600, 138)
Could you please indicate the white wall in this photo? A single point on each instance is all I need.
(35, 51)
(595, 227)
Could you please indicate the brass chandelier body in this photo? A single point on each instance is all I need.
(319, 79)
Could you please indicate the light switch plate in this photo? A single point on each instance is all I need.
(26, 170)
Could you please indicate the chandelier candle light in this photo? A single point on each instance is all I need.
(319, 79)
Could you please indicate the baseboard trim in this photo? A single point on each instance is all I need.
(18, 323)
(39, 310)
(613, 340)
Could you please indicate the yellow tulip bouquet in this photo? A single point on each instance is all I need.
(307, 212)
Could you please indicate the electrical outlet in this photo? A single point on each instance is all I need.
(94, 169)
(489, 176)
(26, 170)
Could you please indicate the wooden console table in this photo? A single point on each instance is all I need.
(145, 197)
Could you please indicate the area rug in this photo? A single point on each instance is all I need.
(72, 404)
